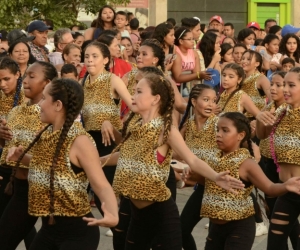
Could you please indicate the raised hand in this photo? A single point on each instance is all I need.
(109, 219)
(266, 117)
(228, 183)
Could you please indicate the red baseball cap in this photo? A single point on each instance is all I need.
(253, 25)
(217, 18)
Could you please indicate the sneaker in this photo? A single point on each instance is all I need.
(109, 233)
(261, 229)
(206, 226)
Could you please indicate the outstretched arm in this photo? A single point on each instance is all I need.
(222, 179)
(84, 154)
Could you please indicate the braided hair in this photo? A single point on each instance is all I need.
(196, 91)
(159, 86)
(241, 75)
(70, 93)
(11, 65)
(242, 124)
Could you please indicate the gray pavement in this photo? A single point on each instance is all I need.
(199, 232)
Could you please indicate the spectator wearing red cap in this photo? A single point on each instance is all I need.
(217, 23)
(40, 30)
(256, 28)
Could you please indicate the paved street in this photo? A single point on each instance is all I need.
(199, 232)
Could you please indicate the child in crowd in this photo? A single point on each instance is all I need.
(287, 63)
(121, 21)
(69, 71)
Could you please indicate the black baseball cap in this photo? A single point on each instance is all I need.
(18, 35)
(37, 25)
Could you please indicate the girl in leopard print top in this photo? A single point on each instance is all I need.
(231, 215)
(282, 127)
(143, 166)
(64, 159)
(23, 123)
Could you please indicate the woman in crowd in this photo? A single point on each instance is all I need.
(20, 52)
(290, 47)
(104, 21)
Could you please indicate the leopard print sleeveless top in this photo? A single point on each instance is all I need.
(7, 103)
(218, 203)
(138, 174)
(234, 104)
(202, 142)
(99, 104)
(70, 195)
(24, 123)
(249, 86)
(287, 136)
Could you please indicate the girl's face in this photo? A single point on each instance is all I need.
(107, 15)
(291, 89)
(276, 88)
(249, 40)
(79, 41)
(20, 53)
(291, 45)
(230, 79)
(142, 100)
(73, 57)
(114, 48)
(34, 81)
(196, 32)
(128, 46)
(187, 41)
(145, 57)
(237, 54)
(170, 38)
(273, 46)
(8, 81)
(205, 103)
(228, 56)
(229, 41)
(48, 107)
(249, 63)
(94, 61)
(217, 44)
(227, 137)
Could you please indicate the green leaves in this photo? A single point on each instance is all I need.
(19, 13)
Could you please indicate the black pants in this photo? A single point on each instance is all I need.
(5, 172)
(190, 216)
(286, 212)
(67, 233)
(158, 222)
(234, 235)
(270, 171)
(120, 231)
(16, 223)
(4, 198)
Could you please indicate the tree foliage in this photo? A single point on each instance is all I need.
(64, 13)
